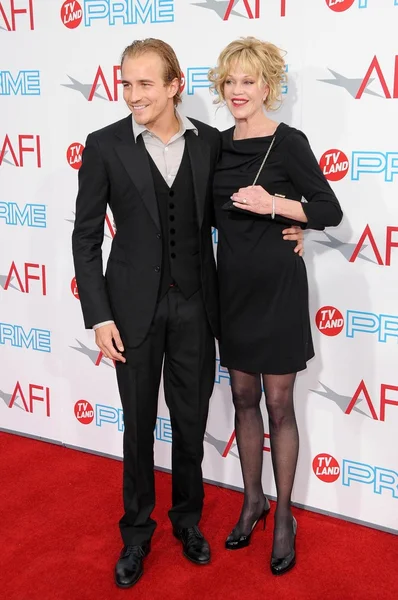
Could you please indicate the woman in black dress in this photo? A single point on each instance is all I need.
(265, 321)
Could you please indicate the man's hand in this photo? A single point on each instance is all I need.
(295, 233)
(104, 337)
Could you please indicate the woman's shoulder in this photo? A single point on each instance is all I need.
(290, 135)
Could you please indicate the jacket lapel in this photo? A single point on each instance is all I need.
(135, 160)
(199, 154)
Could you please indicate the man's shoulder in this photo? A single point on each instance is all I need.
(111, 129)
(204, 128)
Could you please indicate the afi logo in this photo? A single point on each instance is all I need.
(74, 155)
(11, 11)
(31, 397)
(356, 87)
(25, 275)
(226, 8)
(116, 12)
(22, 83)
(367, 235)
(18, 150)
(90, 90)
(355, 402)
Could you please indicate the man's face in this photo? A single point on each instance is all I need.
(144, 90)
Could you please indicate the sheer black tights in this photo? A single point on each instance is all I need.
(249, 428)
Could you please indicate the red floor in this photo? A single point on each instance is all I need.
(59, 540)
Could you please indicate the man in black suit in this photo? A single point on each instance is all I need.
(158, 299)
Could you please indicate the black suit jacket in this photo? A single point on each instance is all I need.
(116, 171)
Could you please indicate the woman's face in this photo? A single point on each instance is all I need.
(244, 93)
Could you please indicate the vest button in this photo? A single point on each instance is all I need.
(172, 243)
(171, 217)
(172, 255)
(171, 205)
(171, 193)
(172, 231)
(157, 269)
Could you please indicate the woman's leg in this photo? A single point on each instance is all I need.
(249, 429)
(284, 451)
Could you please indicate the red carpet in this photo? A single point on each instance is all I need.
(59, 540)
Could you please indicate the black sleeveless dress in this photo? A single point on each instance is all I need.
(265, 324)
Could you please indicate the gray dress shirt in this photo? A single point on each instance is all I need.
(167, 157)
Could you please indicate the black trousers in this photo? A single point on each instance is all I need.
(180, 339)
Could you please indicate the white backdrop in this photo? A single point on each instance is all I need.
(58, 82)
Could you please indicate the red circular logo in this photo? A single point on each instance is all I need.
(329, 320)
(182, 83)
(339, 5)
(74, 155)
(326, 468)
(334, 164)
(84, 412)
(71, 14)
(73, 287)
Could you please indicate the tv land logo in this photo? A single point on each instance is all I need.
(249, 9)
(360, 398)
(331, 322)
(17, 147)
(26, 215)
(35, 398)
(357, 87)
(20, 83)
(343, 5)
(19, 279)
(116, 12)
(381, 480)
(33, 339)
(16, 15)
(352, 251)
(103, 415)
(74, 155)
(335, 164)
(74, 290)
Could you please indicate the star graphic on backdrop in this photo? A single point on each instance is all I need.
(3, 279)
(219, 445)
(219, 7)
(352, 85)
(341, 401)
(346, 249)
(7, 399)
(83, 88)
(7, 161)
(92, 354)
(73, 222)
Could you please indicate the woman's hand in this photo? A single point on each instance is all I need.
(253, 198)
(295, 233)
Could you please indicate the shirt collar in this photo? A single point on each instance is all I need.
(185, 125)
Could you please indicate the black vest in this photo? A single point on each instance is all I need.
(180, 232)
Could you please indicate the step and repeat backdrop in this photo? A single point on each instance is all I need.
(60, 80)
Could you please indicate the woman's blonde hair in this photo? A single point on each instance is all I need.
(257, 58)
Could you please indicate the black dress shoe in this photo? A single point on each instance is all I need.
(280, 566)
(129, 567)
(236, 541)
(195, 547)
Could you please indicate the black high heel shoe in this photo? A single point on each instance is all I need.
(234, 542)
(280, 566)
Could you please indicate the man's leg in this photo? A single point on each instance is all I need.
(138, 381)
(188, 382)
